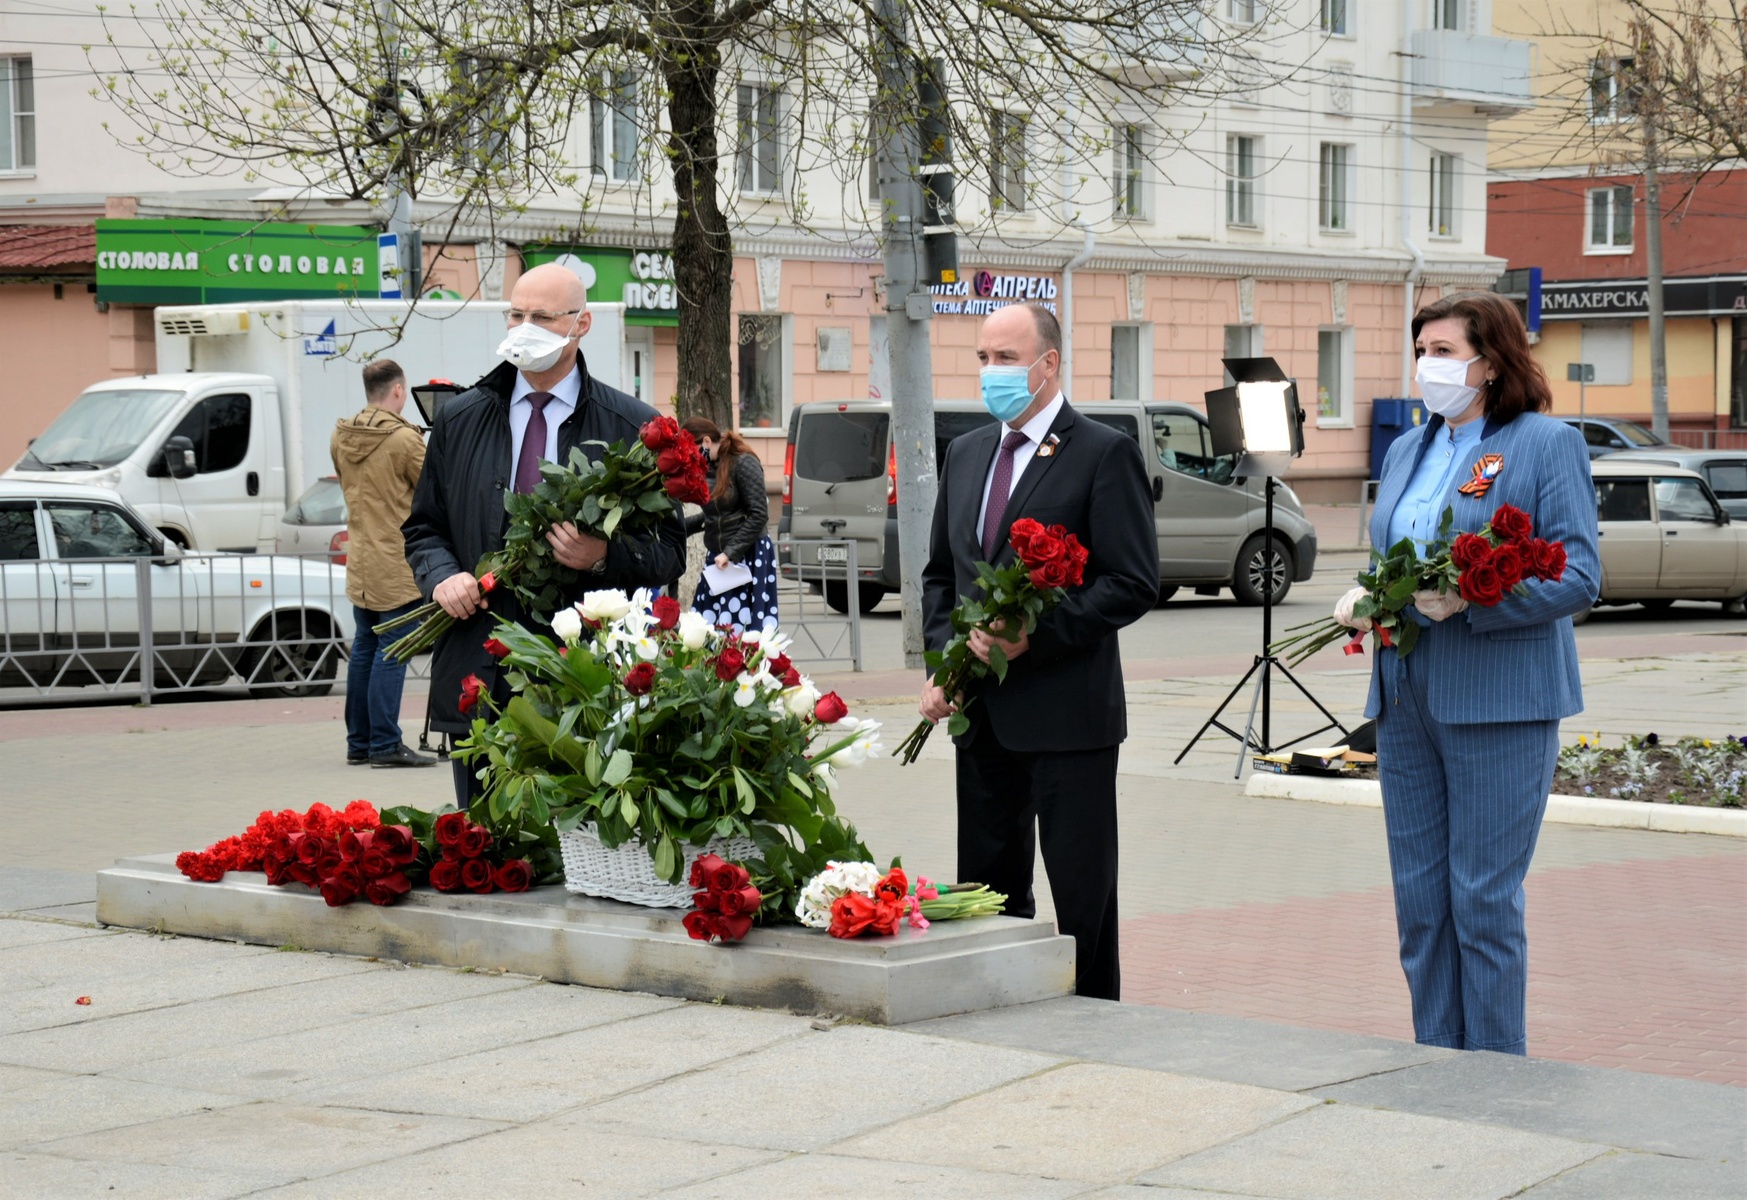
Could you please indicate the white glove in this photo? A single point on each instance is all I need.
(1436, 606)
(1344, 611)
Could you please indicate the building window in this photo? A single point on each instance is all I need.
(1245, 12)
(1130, 178)
(1128, 351)
(1448, 14)
(761, 152)
(17, 115)
(1334, 17)
(1610, 219)
(1607, 346)
(1334, 190)
(1443, 196)
(613, 127)
(1334, 377)
(762, 364)
(1612, 95)
(1007, 161)
(1240, 181)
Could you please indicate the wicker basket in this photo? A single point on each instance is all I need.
(628, 873)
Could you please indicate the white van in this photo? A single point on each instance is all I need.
(840, 480)
(235, 424)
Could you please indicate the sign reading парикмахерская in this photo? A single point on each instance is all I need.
(214, 262)
(1715, 296)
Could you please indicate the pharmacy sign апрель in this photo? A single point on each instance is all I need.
(215, 262)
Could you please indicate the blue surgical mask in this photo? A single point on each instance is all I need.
(1007, 391)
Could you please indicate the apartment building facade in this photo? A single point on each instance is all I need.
(1336, 183)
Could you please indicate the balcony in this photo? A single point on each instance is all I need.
(1491, 75)
(1164, 49)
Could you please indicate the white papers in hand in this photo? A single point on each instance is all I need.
(726, 579)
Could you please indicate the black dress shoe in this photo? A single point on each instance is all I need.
(357, 760)
(401, 756)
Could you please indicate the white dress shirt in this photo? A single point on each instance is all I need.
(562, 404)
(1035, 430)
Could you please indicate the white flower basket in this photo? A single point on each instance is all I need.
(628, 873)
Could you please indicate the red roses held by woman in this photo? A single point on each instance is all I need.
(464, 861)
(344, 855)
(726, 902)
(1501, 556)
(1046, 563)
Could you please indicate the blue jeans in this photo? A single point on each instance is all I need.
(373, 685)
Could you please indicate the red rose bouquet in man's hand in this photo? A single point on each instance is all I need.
(626, 490)
(1047, 562)
(1481, 567)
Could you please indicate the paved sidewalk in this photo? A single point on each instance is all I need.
(204, 1069)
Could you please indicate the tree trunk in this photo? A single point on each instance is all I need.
(703, 250)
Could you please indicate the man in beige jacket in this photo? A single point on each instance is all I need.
(378, 454)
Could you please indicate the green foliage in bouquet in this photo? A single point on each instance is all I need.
(670, 735)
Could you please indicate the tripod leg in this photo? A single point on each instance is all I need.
(1243, 743)
(1214, 719)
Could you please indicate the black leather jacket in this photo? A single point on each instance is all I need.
(733, 522)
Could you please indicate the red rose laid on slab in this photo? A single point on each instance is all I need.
(724, 907)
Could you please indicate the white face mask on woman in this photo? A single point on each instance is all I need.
(1443, 383)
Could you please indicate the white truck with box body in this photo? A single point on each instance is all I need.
(236, 421)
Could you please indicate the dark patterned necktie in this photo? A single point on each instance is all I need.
(999, 488)
(533, 444)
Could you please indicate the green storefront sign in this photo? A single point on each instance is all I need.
(216, 262)
(642, 280)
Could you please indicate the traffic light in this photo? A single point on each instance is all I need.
(934, 129)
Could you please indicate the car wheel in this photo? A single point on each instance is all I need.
(867, 595)
(1166, 591)
(302, 660)
(1736, 607)
(1578, 618)
(1256, 569)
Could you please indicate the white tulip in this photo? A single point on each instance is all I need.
(604, 606)
(567, 625)
(801, 701)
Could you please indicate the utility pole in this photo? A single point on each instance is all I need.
(909, 305)
(399, 189)
(1653, 285)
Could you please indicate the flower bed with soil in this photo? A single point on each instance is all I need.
(1709, 773)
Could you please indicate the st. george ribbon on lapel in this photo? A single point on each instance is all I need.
(1047, 450)
(1485, 471)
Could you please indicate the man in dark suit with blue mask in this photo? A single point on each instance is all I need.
(1039, 759)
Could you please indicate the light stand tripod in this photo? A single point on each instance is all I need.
(1265, 663)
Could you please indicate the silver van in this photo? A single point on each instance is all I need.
(840, 480)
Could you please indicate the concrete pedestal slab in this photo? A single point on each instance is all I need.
(953, 967)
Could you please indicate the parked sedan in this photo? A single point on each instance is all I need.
(1606, 435)
(1664, 537)
(82, 576)
(315, 522)
(1724, 470)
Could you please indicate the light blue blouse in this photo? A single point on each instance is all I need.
(1422, 505)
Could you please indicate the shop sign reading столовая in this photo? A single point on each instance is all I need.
(215, 262)
(983, 292)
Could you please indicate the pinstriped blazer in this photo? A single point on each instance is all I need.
(1516, 661)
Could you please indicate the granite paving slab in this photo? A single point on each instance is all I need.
(1622, 1174)
(1165, 1039)
(1344, 1152)
(811, 1176)
(49, 1177)
(536, 1162)
(24, 889)
(269, 1143)
(529, 1081)
(811, 1091)
(1619, 1108)
(89, 1104)
(1088, 1121)
(15, 933)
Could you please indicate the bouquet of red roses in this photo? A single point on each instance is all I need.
(1480, 567)
(343, 855)
(464, 859)
(1047, 562)
(627, 489)
(725, 904)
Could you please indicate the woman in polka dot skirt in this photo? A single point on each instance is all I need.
(735, 524)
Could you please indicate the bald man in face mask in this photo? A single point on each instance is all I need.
(538, 404)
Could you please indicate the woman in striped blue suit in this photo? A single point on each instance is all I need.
(1468, 724)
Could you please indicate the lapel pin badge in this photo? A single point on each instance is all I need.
(1047, 449)
(1485, 471)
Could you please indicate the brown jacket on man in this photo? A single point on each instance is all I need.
(378, 455)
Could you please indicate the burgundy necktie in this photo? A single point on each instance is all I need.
(999, 487)
(533, 444)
